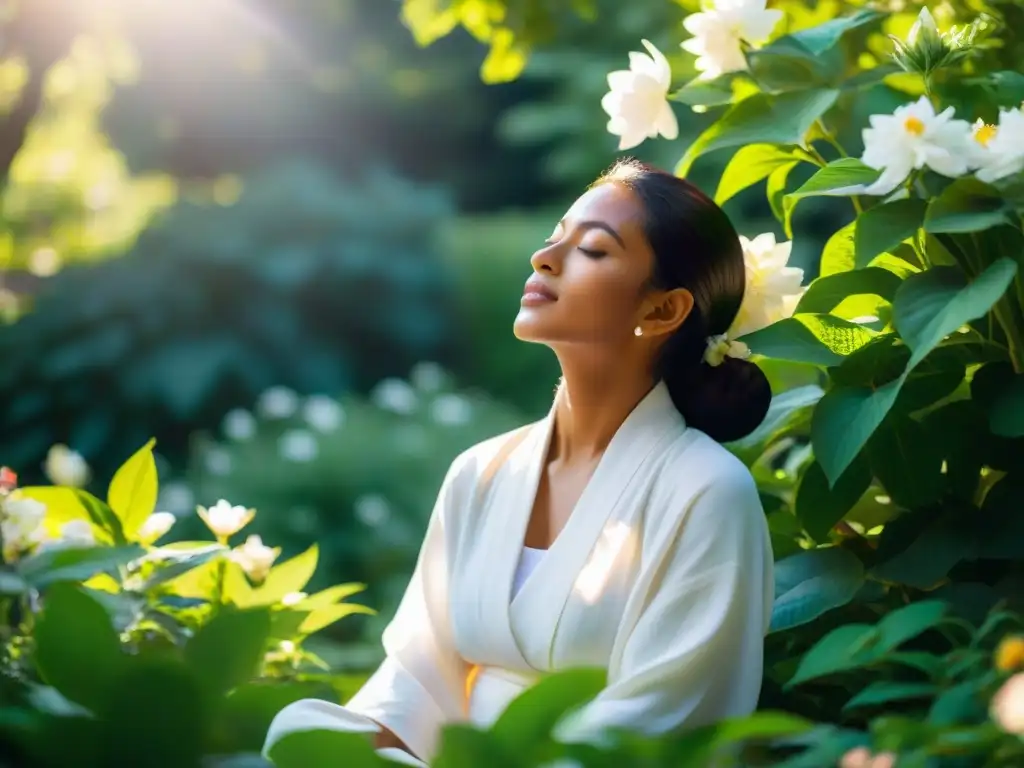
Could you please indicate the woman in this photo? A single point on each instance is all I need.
(616, 532)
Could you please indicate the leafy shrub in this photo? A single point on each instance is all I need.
(116, 651)
(359, 475)
(304, 282)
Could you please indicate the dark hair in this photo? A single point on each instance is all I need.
(696, 247)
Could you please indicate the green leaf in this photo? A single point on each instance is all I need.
(786, 65)
(290, 576)
(837, 257)
(704, 746)
(329, 614)
(820, 339)
(530, 718)
(819, 507)
(250, 708)
(750, 165)
(927, 560)
(463, 746)
(908, 622)
(1006, 415)
(227, 651)
(828, 292)
(961, 703)
(846, 647)
(814, 582)
(844, 420)
(839, 178)
(928, 663)
(775, 189)
(180, 563)
(74, 564)
(706, 93)
(886, 226)
(330, 596)
(886, 691)
(506, 58)
(322, 749)
(933, 304)
(132, 493)
(66, 504)
(822, 37)
(77, 650)
(761, 119)
(907, 460)
(968, 205)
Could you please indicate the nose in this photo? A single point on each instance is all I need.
(547, 259)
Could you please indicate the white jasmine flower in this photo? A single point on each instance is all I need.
(1002, 152)
(913, 137)
(239, 425)
(719, 32)
(323, 413)
(1007, 707)
(298, 445)
(278, 403)
(66, 467)
(21, 525)
(427, 377)
(450, 410)
(155, 526)
(255, 557)
(225, 520)
(372, 510)
(773, 288)
(637, 104)
(721, 346)
(395, 395)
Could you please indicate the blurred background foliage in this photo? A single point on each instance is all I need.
(288, 242)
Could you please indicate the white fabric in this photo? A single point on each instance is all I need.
(528, 561)
(662, 575)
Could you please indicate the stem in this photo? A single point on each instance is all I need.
(831, 138)
(218, 592)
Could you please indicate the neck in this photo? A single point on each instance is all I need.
(592, 402)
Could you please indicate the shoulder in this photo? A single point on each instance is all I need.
(478, 463)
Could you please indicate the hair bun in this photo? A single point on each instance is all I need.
(727, 402)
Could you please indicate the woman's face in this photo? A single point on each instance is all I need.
(590, 280)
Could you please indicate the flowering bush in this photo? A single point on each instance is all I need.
(116, 650)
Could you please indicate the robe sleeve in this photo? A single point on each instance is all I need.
(421, 683)
(691, 648)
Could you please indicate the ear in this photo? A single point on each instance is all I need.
(666, 311)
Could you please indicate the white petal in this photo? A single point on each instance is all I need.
(666, 122)
(662, 72)
(631, 138)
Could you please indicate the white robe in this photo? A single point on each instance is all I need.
(662, 576)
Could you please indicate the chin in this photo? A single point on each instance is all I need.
(528, 327)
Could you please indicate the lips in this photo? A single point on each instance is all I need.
(536, 290)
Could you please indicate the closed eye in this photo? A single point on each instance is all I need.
(592, 253)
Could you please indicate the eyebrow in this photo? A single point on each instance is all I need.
(594, 224)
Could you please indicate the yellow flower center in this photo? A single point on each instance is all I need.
(1010, 654)
(913, 126)
(983, 134)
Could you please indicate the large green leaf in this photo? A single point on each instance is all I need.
(886, 226)
(1006, 415)
(705, 746)
(761, 119)
(906, 623)
(819, 507)
(132, 493)
(323, 749)
(753, 164)
(820, 339)
(74, 564)
(323, 617)
(77, 650)
(706, 93)
(530, 718)
(813, 582)
(907, 460)
(933, 304)
(886, 691)
(837, 256)
(226, 652)
(968, 205)
(786, 65)
(842, 177)
(822, 37)
(846, 647)
(828, 292)
(927, 560)
(286, 578)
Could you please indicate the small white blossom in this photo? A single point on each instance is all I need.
(1001, 151)
(255, 557)
(721, 346)
(637, 104)
(155, 526)
(77, 533)
(451, 410)
(773, 288)
(718, 34)
(66, 467)
(395, 395)
(323, 413)
(21, 525)
(427, 376)
(914, 137)
(372, 510)
(239, 425)
(298, 445)
(225, 520)
(278, 403)
(217, 460)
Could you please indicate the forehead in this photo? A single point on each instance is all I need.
(612, 204)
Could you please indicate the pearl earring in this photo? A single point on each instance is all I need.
(638, 331)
